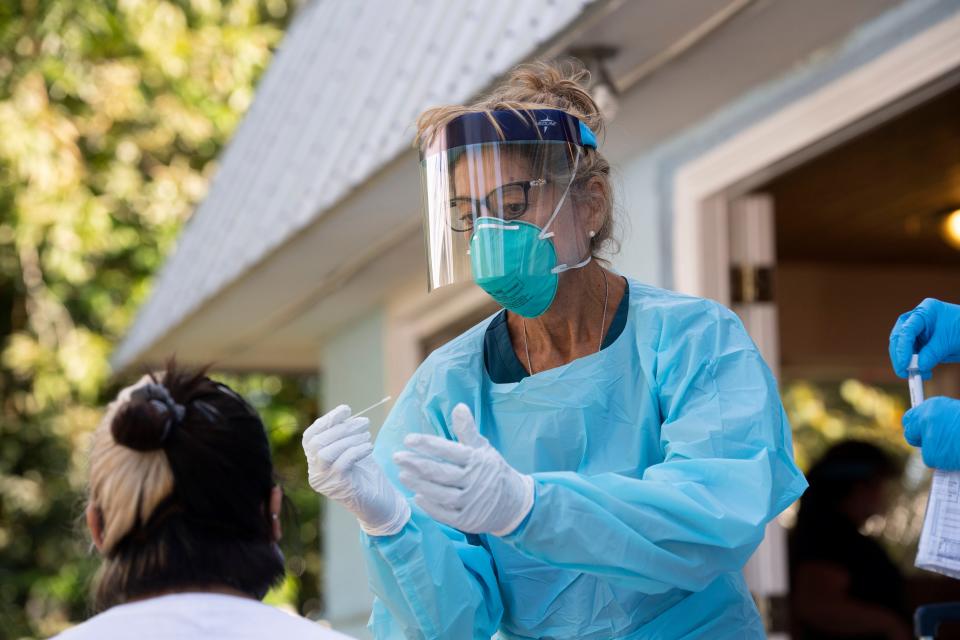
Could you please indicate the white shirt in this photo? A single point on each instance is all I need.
(189, 616)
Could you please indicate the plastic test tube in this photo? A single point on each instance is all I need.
(915, 471)
(915, 382)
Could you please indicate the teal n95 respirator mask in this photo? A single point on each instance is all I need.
(496, 204)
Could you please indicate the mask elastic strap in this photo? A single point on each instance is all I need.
(560, 268)
(573, 174)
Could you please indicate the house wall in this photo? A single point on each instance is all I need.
(353, 373)
(646, 177)
(640, 227)
(835, 319)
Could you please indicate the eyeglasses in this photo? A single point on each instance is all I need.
(508, 202)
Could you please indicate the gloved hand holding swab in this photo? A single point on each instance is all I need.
(340, 466)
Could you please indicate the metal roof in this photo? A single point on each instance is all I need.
(337, 103)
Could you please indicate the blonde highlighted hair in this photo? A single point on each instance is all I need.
(545, 85)
(126, 485)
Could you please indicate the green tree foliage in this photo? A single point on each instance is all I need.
(824, 413)
(112, 114)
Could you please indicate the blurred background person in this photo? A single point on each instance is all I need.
(845, 585)
(185, 510)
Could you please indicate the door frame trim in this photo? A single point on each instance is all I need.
(901, 78)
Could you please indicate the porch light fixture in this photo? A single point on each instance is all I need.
(602, 87)
(950, 228)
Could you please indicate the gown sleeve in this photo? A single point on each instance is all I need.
(727, 470)
(429, 580)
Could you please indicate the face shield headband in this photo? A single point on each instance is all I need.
(530, 125)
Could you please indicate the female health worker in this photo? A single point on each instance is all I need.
(597, 460)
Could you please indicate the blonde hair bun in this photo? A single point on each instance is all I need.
(559, 85)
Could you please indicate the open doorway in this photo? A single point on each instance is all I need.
(722, 219)
(855, 236)
(860, 238)
(859, 232)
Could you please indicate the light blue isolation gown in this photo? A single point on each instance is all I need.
(657, 462)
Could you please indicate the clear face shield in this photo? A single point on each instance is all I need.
(497, 205)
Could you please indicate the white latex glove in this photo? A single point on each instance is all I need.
(341, 467)
(466, 484)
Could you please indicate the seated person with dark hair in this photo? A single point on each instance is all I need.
(184, 508)
(844, 584)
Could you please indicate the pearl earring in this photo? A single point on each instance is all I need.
(591, 233)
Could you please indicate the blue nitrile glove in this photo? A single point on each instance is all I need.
(934, 426)
(932, 330)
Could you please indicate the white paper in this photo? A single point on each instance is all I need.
(940, 539)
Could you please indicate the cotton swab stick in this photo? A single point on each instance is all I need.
(373, 406)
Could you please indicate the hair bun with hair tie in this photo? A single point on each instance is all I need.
(146, 421)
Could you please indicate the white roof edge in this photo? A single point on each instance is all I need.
(308, 104)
